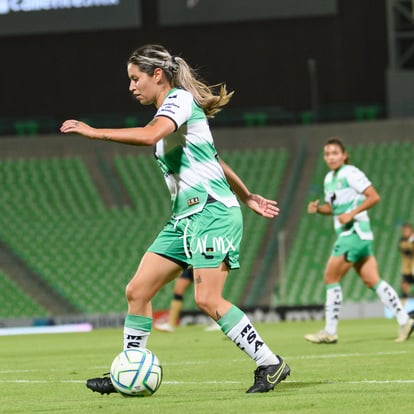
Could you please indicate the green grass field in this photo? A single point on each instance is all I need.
(366, 372)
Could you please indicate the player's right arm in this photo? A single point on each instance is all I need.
(314, 207)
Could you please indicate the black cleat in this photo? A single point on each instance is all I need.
(268, 376)
(103, 385)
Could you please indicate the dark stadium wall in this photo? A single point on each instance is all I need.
(265, 62)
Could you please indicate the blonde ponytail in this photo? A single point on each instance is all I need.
(181, 75)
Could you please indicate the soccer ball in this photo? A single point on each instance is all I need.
(136, 372)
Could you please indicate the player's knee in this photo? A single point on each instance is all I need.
(204, 303)
(328, 279)
(133, 294)
(129, 292)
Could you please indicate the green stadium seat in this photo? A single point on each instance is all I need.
(86, 251)
(15, 303)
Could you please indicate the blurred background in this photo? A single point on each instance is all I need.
(76, 216)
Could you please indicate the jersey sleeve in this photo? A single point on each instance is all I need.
(327, 194)
(358, 180)
(177, 106)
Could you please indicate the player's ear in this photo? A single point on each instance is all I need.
(158, 72)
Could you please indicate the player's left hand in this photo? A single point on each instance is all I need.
(262, 206)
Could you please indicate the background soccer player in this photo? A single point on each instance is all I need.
(348, 196)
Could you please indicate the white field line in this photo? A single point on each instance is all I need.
(291, 358)
(354, 354)
(205, 362)
(199, 362)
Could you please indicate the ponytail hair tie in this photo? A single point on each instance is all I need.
(174, 67)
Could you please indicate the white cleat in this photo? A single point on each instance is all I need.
(405, 331)
(322, 337)
(164, 327)
(213, 327)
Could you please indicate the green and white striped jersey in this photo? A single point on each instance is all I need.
(188, 158)
(344, 192)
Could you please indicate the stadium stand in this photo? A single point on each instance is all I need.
(14, 302)
(255, 167)
(53, 217)
(57, 217)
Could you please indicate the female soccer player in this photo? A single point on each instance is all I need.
(348, 196)
(206, 224)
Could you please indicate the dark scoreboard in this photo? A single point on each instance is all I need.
(24, 17)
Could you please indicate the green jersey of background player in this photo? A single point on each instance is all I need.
(348, 196)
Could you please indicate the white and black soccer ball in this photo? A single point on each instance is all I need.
(136, 372)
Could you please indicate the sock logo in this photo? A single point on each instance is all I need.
(245, 330)
(250, 335)
(134, 341)
(393, 300)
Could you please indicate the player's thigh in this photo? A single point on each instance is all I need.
(347, 250)
(209, 284)
(336, 268)
(367, 269)
(154, 271)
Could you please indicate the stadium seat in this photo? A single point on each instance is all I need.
(87, 251)
(15, 303)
